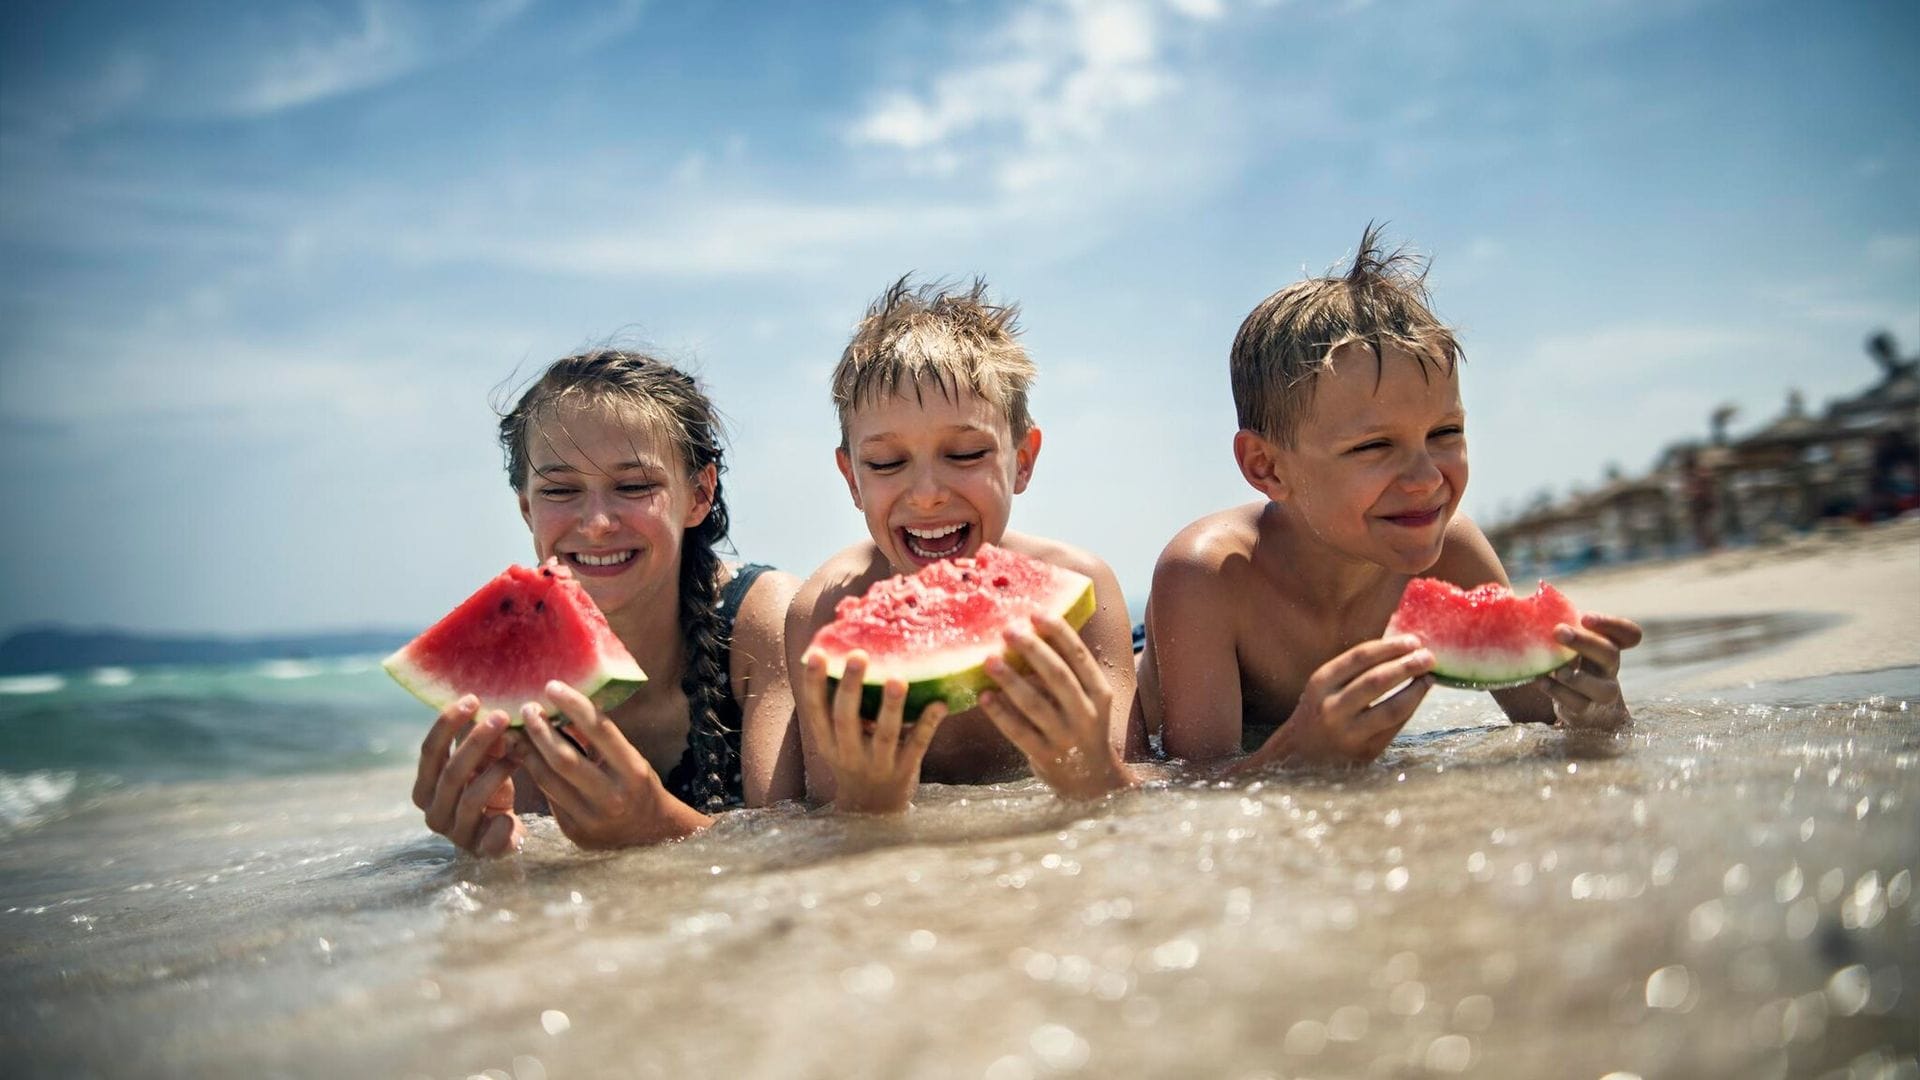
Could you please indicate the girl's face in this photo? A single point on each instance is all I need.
(1380, 461)
(607, 493)
(935, 477)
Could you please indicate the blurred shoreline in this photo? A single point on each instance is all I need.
(1860, 585)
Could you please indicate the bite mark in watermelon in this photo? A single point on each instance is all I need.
(505, 642)
(1485, 638)
(935, 629)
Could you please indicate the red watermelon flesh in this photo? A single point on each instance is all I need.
(1485, 638)
(505, 642)
(935, 629)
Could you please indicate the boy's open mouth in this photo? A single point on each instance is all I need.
(928, 544)
(599, 564)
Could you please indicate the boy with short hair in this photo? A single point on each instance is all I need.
(1264, 624)
(935, 441)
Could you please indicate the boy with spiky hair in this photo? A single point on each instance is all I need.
(1264, 624)
(935, 441)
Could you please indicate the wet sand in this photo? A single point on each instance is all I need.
(1829, 603)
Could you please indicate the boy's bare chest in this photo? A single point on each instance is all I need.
(1283, 645)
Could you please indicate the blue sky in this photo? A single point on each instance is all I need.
(263, 267)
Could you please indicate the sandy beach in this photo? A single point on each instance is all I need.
(1863, 584)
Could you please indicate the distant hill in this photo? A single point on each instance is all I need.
(60, 648)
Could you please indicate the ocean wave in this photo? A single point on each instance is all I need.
(32, 684)
(27, 799)
(289, 669)
(111, 676)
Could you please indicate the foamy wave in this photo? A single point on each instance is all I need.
(111, 676)
(32, 684)
(27, 799)
(289, 669)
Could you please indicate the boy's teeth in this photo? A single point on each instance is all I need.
(922, 541)
(933, 534)
(603, 560)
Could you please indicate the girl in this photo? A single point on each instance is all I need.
(616, 461)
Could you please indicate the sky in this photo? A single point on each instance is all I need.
(265, 270)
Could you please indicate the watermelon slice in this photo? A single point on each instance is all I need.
(936, 629)
(1485, 638)
(505, 642)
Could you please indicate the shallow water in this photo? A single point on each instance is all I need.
(1726, 891)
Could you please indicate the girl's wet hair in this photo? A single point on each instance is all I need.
(1290, 337)
(668, 398)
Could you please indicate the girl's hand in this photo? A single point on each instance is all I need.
(468, 796)
(602, 791)
(873, 772)
(1340, 719)
(1586, 693)
(1058, 713)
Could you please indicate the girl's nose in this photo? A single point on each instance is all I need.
(599, 520)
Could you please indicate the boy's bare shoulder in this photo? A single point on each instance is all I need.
(1467, 557)
(1217, 545)
(1059, 553)
(847, 572)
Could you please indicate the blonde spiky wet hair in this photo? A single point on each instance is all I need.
(1290, 337)
(941, 335)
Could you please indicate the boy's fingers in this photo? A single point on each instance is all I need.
(1624, 633)
(1566, 697)
(451, 722)
(1363, 657)
(1389, 716)
(1019, 731)
(1596, 652)
(1587, 684)
(1358, 694)
(1066, 641)
(914, 749)
(846, 702)
(811, 701)
(886, 730)
(1050, 671)
(1019, 694)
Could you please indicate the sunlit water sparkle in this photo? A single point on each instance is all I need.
(1726, 891)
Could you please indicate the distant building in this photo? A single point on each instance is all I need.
(1858, 461)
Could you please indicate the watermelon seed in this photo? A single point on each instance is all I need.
(539, 605)
(1000, 581)
(506, 606)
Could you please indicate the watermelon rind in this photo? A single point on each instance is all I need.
(957, 674)
(596, 663)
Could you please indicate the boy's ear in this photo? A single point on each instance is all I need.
(1258, 460)
(845, 461)
(704, 482)
(1023, 458)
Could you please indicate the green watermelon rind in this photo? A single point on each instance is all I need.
(606, 687)
(954, 676)
(1495, 682)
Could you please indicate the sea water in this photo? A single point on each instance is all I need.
(219, 873)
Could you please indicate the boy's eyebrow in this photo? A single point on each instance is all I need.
(961, 429)
(623, 466)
